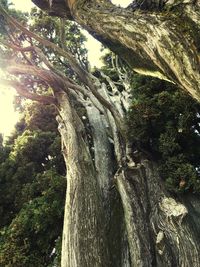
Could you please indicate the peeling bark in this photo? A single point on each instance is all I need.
(84, 231)
(117, 212)
(163, 43)
(160, 231)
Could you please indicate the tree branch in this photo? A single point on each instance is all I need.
(54, 9)
(21, 90)
(83, 75)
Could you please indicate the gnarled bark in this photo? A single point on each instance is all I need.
(160, 229)
(84, 236)
(162, 43)
(152, 229)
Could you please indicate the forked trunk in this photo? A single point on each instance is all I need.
(117, 212)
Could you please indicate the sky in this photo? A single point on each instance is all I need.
(8, 116)
(20, 4)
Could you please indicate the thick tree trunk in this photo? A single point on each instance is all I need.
(163, 43)
(84, 236)
(117, 212)
(94, 232)
(160, 229)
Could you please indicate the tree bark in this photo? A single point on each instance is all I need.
(160, 229)
(94, 232)
(118, 212)
(84, 236)
(162, 43)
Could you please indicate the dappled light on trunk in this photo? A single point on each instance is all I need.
(117, 211)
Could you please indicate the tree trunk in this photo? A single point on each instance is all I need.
(161, 231)
(84, 235)
(118, 213)
(94, 232)
(163, 43)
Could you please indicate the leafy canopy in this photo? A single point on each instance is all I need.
(165, 122)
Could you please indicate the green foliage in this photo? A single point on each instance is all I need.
(30, 238)
(32, 183)
(165, 122)
(40, 117)
(8, 6)
(68, 36)
(5, 3)
(32, 188)
(31, 147)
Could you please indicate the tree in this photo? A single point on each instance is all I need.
(157, 38)
(164, 121)
(32, 187)
(117, 211)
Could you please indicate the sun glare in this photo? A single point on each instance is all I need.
(122, 3)
(23, 5)
(8, 117)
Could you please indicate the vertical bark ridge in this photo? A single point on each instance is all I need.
(159, 230)
(83, 236)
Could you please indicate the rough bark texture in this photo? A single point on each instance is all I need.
(84, 230)
(157, 44)
(160, 229)
(163, 43)
(153, 228)
(94, 232)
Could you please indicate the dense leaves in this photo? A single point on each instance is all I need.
(32, 188)
(66, 34)
(165, 122)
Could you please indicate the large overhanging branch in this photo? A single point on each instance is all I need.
(70, 5)
(163, 43)
(66, 8)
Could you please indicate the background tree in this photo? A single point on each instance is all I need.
(105, 170)
(32, 187)
(164, 121)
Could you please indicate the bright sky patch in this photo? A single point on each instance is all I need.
(8, 117)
